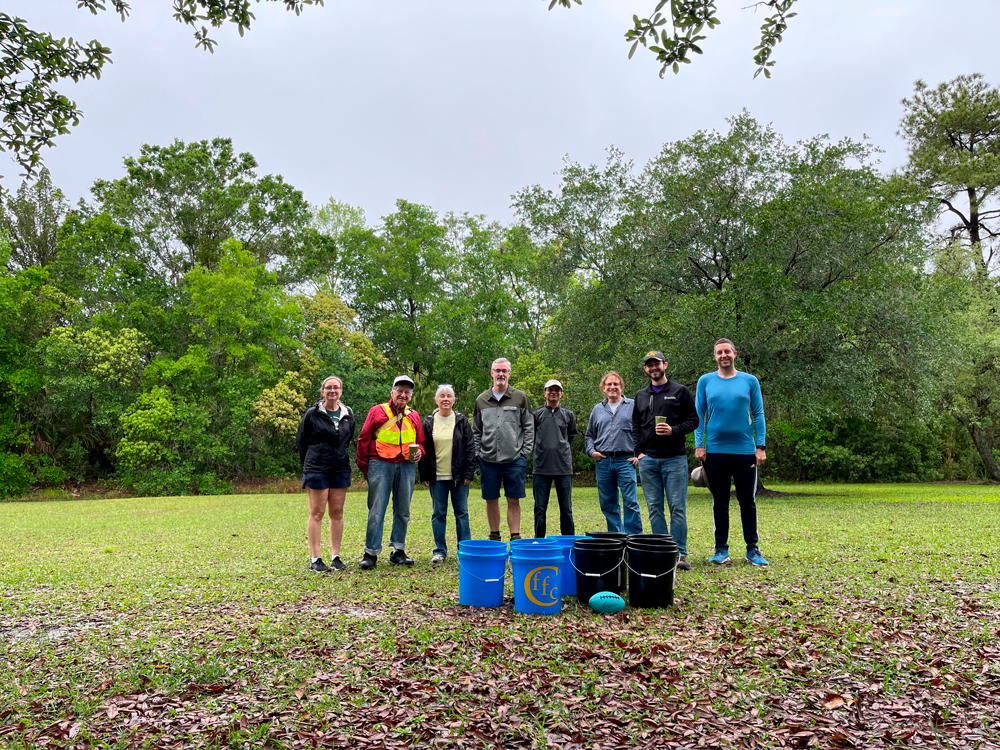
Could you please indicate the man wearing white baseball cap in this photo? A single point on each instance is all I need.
(555, 430)
(390, 444)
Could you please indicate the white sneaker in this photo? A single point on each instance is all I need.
(436, 558)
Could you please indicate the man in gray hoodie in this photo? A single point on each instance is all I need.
(503, 430)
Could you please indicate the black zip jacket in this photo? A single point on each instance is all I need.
(463, 450)
(322, 449)
(676, 404)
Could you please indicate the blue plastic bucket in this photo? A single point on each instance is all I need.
(566, 570)
(530, 543)
(481, 567)
(537, 583)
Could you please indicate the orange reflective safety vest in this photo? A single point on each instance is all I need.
(396, 434)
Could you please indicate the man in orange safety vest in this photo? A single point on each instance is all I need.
(391, 443)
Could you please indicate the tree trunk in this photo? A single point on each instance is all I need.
(983, 440)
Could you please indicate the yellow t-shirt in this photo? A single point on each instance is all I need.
(444, 430)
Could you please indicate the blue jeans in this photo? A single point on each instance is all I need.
(541, 488)
(459, 492)
(616, 473)
(385, 477)
(669, 476)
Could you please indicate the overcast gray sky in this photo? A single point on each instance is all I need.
(459, 103)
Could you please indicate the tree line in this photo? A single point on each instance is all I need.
(168, 332)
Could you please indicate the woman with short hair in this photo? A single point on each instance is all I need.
(447, 468)
(323, 438)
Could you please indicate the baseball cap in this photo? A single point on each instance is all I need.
(550, 383)
(653, 355)
(403, 379)
(699, 477)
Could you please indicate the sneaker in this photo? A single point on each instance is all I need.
(682, 563)
(319, 566)
(721, 557)
(398, 557)
(495, 536)
(368, 562)
(755, 558)
(337, 564)
(436, 558)
(515, 537)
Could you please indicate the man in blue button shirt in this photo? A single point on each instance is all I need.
(730, 442)
(608, 440)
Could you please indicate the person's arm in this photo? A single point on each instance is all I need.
(757, 411)
(423, 465)
(590, 434)
(477, 429)
(690, 420)
(701, 409)
(528, 427)
(302, 438)
(572, 431)
(637, 443)
(470, 451)
(418, 428)
(365, 440)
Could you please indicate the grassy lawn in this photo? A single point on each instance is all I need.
(177, 622)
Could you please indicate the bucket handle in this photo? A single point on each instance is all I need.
(650, 575)
(599, 575)
(486, 580)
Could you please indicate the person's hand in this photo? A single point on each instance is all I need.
(640, 457)
(468, 481)
(634, 461)
(662, 428)
(597, 455)
(700, 454)
(426, 484)
(761, 455)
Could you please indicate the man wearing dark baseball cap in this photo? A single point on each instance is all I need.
(663, 415)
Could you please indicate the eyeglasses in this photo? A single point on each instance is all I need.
(332, 388)
(501, 372)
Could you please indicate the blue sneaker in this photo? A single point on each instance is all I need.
(755, 558)
(721, 557)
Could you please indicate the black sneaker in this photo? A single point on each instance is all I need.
(319, 566)
(367, 562)
(337, 564)
(398, 557)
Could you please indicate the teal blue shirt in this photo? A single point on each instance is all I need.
(730, 414)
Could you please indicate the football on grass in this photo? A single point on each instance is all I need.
(607, 602)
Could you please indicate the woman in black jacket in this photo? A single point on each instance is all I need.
(447, 468)
(323, 438)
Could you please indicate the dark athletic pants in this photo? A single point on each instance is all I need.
(541, 486)
(741, 470)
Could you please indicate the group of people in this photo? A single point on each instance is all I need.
(645, 434)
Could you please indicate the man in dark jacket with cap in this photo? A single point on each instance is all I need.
(555, 430)
(664, 413)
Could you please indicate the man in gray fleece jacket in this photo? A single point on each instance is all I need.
(503, 430)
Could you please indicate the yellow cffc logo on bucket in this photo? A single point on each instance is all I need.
(537, 583)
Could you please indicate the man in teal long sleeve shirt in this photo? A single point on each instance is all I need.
(729, 440)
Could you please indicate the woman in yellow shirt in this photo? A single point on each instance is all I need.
(448, 468)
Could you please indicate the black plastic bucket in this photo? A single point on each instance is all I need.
(608, 535)
(652, 571)
(650, 538)
(599, 567)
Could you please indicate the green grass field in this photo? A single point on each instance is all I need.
(175, 622)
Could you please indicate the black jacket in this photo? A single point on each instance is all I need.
(322, 449)
(554, 435)
(676, 404)
(463, 450)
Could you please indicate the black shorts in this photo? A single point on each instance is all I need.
(336, 480)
